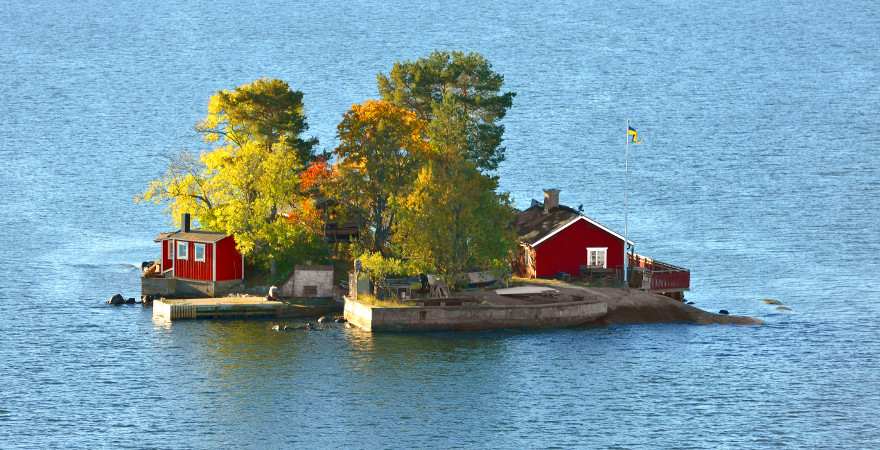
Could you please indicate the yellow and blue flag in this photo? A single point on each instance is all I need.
(635, 135)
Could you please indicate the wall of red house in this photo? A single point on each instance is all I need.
(190, 268)
(229, 265)
(566, 251)
(167, 262)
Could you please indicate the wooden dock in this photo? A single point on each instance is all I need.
(241, 308)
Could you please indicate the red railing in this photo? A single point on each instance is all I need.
(660, 276)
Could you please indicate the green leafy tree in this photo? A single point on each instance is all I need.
(251, 173)
(378, 142)
(452, 219)
(468, 77)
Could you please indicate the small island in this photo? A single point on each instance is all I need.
(402, 222)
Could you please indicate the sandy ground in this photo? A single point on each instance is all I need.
(625, 306)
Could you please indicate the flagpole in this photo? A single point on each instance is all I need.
(626, 206)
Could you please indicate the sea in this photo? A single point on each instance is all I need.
(759, 172)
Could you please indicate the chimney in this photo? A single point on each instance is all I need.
(551, 199)
(184, 222)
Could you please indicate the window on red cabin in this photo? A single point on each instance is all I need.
(597, 257)
(199, 252)
(170, 247)
(183, 250)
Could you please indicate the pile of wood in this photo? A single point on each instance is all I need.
(153, 270)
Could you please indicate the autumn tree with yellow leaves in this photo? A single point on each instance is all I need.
(415, 168)
(452, 219)
(249, 175)
(377, 159)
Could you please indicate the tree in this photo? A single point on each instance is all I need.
(468, 77)
(267, 112)
(378, 142)
(452, 219)
(250, 174)
(183, 188)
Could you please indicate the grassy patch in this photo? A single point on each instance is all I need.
(383, 303)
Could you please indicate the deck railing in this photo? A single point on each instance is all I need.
(650, 274)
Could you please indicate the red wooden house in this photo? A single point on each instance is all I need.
(196, 262)
(555, 239)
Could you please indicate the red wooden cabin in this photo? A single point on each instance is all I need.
(555, 239)
(199, 262)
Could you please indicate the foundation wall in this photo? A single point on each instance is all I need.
(472, 317)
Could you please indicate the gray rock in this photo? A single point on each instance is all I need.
(724, 312)
(117, 299)
(322, 319)
(340, 319)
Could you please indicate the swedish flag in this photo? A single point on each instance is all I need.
(635, 135)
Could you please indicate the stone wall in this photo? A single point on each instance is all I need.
(309, 282)
(175, 287)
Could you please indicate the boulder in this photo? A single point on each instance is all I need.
(130, 301)
(783, 308)
(322, 319)
(771, 301)
(340, 319)
(724, 312)
(690, 303)
(117, 299)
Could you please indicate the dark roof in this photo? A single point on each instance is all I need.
(533, 224)
(193, 236)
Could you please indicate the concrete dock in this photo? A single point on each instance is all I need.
(241, 307)
(472, 317)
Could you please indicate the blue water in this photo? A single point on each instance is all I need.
(760, 173)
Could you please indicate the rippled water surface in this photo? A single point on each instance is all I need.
(761, 174)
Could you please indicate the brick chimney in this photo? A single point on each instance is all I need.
(185, 222)
(551, 199)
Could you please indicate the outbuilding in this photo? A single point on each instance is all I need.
(196, 262)
(556, 239)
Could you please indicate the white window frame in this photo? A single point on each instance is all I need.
(185, 254)
(196, 248)
(604, 251)
(170, 249)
